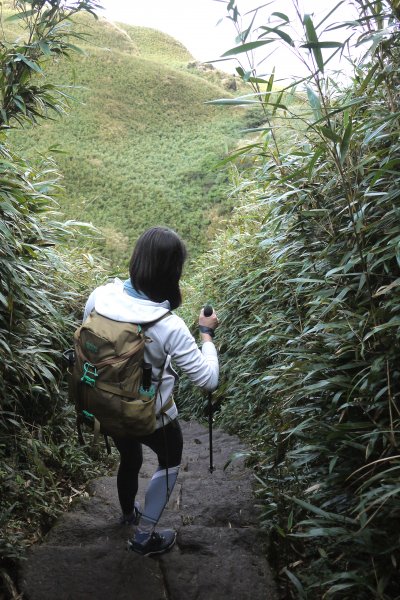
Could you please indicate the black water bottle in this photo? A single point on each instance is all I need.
(146, 377)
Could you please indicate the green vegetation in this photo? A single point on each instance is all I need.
(140, 145)
(42, 278)
(306, 275)
(306, 279)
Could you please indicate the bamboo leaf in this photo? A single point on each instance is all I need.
(330, 134)
(232, 157)
(315, 103)
(3, 300)
(294, 580)
(339, 587)
(394, 322)
(322, 45)
(246, 47)
(247, 32)
(323, 513)
(281, 16)
(257, 79)
(312, 38)
(19, 16)
(314, 159)
(368, 78)
(282, 34)
(345, 143)
(386, 288)
(32, 65)
(270, 82)
(45, 48)
(277, 104)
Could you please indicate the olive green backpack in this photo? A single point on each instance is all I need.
(107, 378)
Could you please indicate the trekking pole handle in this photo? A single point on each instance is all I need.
(208, 310)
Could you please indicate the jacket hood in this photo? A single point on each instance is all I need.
(113, 302)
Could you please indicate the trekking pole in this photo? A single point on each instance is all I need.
(211, 467)
(208, 311)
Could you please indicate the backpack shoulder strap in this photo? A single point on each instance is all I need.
(151, 323)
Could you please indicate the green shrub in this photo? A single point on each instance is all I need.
(42, 278)
(307, 281)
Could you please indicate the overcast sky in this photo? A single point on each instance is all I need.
(194, 22)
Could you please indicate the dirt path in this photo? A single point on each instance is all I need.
(218, 554)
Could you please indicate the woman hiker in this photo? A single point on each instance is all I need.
(147, 297)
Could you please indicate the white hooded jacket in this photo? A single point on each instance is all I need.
(171, 340)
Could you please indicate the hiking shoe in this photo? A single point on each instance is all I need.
(133, 518)
(154, 543)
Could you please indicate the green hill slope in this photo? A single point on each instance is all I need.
(139, 146)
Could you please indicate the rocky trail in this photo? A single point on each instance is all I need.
(218, 554)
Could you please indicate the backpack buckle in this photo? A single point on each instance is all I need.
(89, 374)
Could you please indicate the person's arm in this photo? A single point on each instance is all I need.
(201, 366)
(89, 305)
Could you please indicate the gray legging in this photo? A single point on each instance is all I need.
(167, 443)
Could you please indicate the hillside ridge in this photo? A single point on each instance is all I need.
(140, 145)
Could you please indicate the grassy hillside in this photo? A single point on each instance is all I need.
(139, 146)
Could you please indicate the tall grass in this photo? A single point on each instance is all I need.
(307, 280)
(42, 277)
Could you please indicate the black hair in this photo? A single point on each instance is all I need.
(156, 265)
